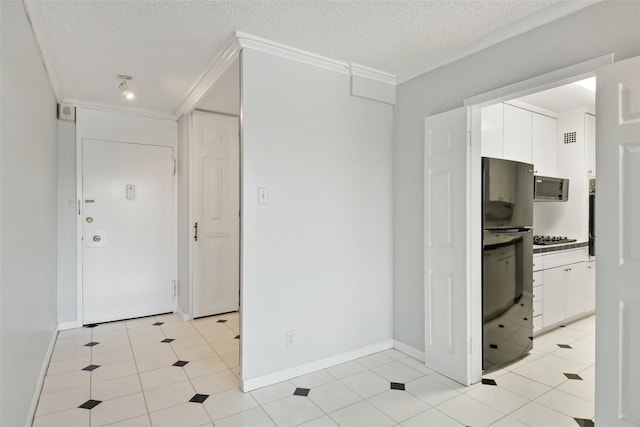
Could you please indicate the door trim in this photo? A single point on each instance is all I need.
(79, 233)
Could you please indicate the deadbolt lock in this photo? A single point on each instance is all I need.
(89, 219)
(96, 238)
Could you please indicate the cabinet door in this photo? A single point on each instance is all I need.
(590, 143)
(543, 144)
(517, 134)
(491, 142)
(576, 292)
(553, 301)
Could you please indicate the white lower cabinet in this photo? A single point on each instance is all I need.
(563, 287)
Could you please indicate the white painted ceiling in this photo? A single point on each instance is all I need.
(563, 98)
(167, 45)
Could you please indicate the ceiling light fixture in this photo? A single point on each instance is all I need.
(124, 87)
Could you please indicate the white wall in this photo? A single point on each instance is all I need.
(603, 28)
(224, 96)
(67, 208)
(28, 217)
(317, 259)
(184, 218)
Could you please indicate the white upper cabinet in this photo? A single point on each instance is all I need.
(492, 133)
(543, 144)
(590, 144)
(517, 134)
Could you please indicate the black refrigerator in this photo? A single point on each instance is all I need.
(507, 261)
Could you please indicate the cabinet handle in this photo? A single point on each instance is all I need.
(195, 226)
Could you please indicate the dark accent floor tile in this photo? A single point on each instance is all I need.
(583, 422)
(397, 386)
(525, 318)
(90, 368)
(562, 326)
(489, 381)
(157, 324)
(530, 338)
(493, 345)
(90, 404)
(573, 376)
(237, 337)
(564, 346)
(199, 398)
(180, 363)
(167, 340)
(301, 392)
(500, 326)
(91, 344)
(91, 325)
(222, 321)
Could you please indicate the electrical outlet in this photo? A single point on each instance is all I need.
(290, 337)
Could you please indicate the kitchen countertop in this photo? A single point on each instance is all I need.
(539, 249)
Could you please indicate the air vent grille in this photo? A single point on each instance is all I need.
(570, 137)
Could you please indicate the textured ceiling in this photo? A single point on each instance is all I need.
(562, 98)
(167, 45)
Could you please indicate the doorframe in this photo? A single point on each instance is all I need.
(474, 103)
(79, 221)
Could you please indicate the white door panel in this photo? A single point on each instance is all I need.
(618, 244)
(446, 313)
(128, 257)
(215, 181)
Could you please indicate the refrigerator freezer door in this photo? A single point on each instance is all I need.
(507, 193)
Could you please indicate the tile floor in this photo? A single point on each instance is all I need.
(160, 371)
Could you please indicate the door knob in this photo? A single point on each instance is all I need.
(89, 219)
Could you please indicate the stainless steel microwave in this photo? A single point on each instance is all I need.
(550, 189)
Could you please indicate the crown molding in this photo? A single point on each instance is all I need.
(119, 109)
(288, 52)
(372, 74)
(34, 14)
(521, 26)
(206, 81)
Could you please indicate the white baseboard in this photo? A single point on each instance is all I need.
(43, 372)
(296, 371)
(408, 350)
(69, 325)
(184, 316)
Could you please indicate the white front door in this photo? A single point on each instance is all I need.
(215, 179)
(128, 224)
(447, 331)
(618, 244)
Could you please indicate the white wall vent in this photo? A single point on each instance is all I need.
(570, 137)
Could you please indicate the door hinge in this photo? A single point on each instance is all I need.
(469, 137)
(175, 166)
(174, 284)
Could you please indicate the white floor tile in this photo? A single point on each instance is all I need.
(398, 355)
(141, 421)
(367, 383)
(215, 383)
(228, 403)
(76, 417)
(375, 359)
(498, 398)
(432, 417)
(232, 358)
(155, 361)
(588, 374)
(253, 417)
(168, 396)
(361, 414)
(542, 374)
(566, 403)
(553, 362)
(397, 372)
(584, 389)
(202, 367)
(273, 392)
(62, 366)
(536, 415)
(508, 422)
(62, 400)
(417, 365)
(162, 377)
(320, 422)
(65, 381)
(292, 410)
(114, 370)
(469, 411)
(195, 353)
(71, 352)
(313, 379)
(346, 369)
(399, 404)
(431, 391)
(118, 409)
(117, 387)
(111, 357)
(187, 414)
(332, 396)
(522, 386)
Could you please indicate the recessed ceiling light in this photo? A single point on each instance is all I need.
(124, 87)
(589, 83)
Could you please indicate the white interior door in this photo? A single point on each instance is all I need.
(618, 244)
(128, 222)
(215, 175)
(446, 291)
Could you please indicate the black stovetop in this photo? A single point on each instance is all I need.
(551, 240)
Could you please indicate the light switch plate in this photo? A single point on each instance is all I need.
(263, 195)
